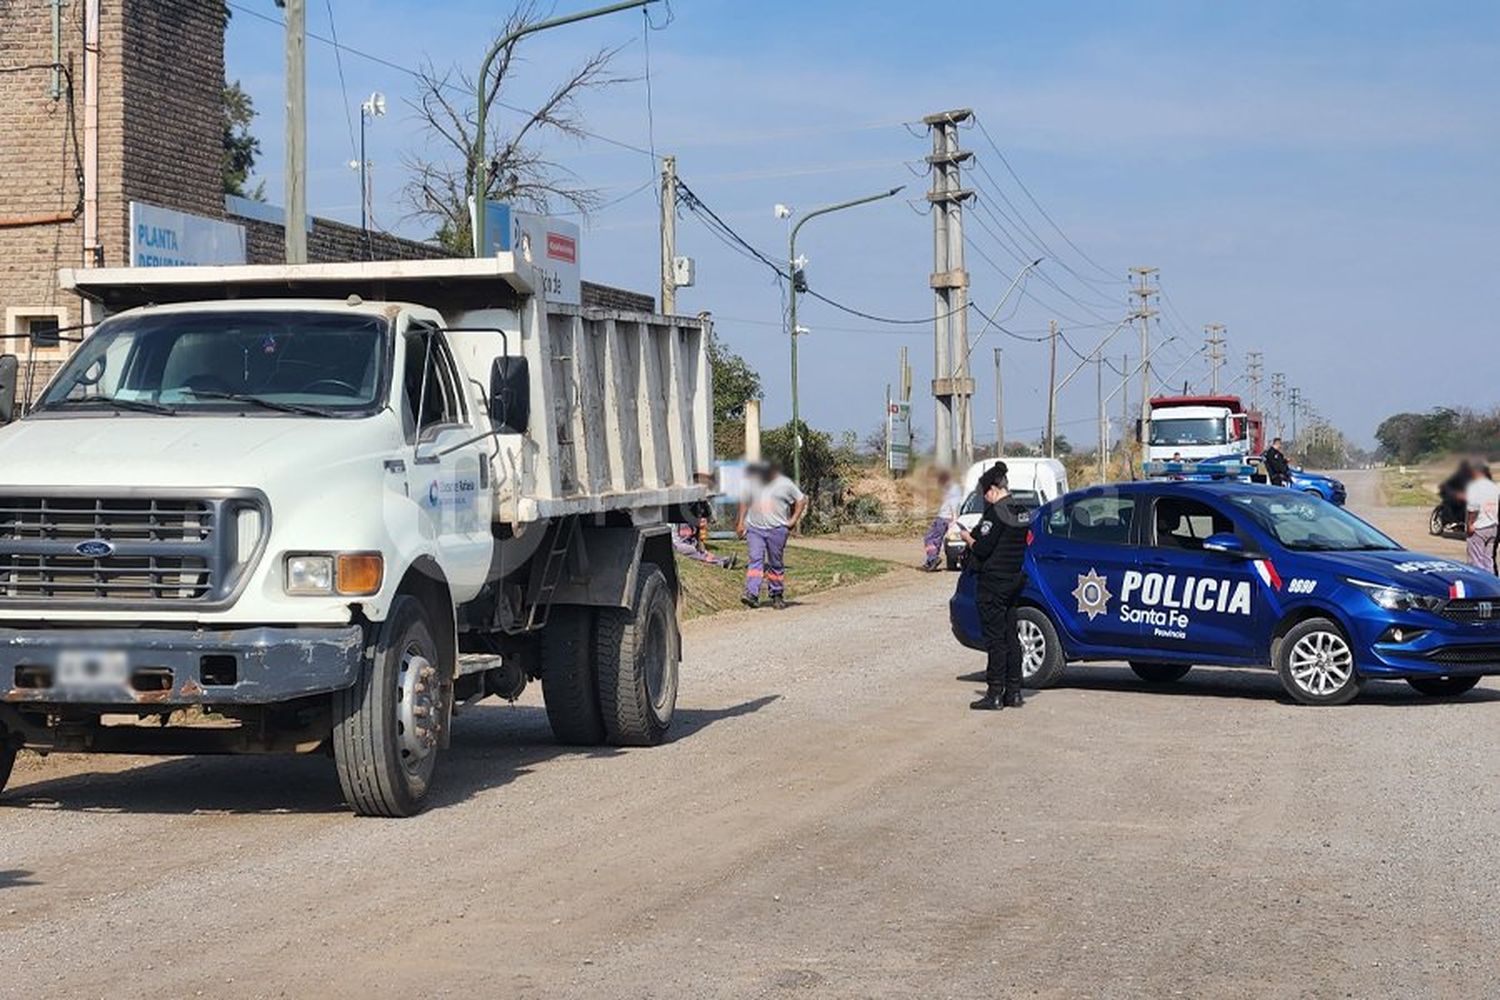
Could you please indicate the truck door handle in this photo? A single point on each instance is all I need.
(1051, 557)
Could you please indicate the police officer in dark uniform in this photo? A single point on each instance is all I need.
(1278, 469)
(998, 546)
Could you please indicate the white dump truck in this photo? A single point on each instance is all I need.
(267, 508)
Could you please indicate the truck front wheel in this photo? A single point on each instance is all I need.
(637, 650)
(388, 726)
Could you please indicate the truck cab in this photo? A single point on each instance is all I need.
(294, 496)
(1188, 428)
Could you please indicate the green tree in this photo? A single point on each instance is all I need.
(240, 145)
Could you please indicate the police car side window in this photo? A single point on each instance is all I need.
(1182, 523)
(1101, 519)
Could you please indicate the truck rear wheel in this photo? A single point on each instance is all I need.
(568, 686)
(637, 650)
(7, 759)
(388, 726)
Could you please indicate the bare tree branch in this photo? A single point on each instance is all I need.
(440, 185)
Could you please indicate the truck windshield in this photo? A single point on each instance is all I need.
(1188, 431)
(313, 363)
(1311, 524)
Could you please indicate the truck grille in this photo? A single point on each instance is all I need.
(1470, 609)
(60, 548)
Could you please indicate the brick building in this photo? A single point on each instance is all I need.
(132, 113)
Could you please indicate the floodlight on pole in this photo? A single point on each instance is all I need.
(373, 107)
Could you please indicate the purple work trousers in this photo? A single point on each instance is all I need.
(767, 555)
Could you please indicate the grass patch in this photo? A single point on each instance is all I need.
(707, 590)
(1407, 488)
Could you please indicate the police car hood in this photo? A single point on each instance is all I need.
(1421, 574)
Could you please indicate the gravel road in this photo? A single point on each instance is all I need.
(830, 821)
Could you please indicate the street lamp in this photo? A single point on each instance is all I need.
(373, 107)
(481, 162)
(794, 272)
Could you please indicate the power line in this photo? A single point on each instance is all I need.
(881, 319)
(338, 58)
(1030, 197)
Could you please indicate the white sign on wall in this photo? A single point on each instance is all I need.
(551, 246)
(165, 237)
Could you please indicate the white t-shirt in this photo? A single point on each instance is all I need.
(770, 505)
(953, 499)
(1484, 501)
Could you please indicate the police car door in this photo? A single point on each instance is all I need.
(1192, 601)
(1088, 547)
(449, 475)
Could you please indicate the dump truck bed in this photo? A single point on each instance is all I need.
(621, 401)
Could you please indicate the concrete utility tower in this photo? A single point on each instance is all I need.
(952, 385)
(1143, 290)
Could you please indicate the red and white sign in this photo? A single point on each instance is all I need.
(562, 247)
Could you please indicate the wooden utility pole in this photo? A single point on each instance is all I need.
(668, 235)
(296, 131)
(1051, 389)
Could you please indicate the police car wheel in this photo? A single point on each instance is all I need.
(1041, 652)
(1160, 673)
(1442, 687)
(1316, 664)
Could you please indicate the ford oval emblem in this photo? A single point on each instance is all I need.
(94, 548)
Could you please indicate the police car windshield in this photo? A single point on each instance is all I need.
(1310, 524)
(1029, 499)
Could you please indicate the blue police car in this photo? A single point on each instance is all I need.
(1166, 575)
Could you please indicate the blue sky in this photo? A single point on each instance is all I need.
(1320, 178)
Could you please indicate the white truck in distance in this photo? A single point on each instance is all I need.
(292, 496)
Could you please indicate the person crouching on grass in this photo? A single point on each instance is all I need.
(772, 508)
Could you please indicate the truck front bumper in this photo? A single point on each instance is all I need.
(158, 666)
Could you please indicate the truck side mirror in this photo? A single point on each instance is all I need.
(10, 367)
(510, 395)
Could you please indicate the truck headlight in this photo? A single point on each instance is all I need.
(348, 574)
(1396, 599)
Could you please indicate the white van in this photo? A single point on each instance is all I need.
(1033, 482)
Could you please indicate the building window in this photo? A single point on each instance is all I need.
(42, 330)
(34, 330)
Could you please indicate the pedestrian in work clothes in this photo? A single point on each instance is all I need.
(998, 546)
(771, 510)
(1483, 501)
(932, 545)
